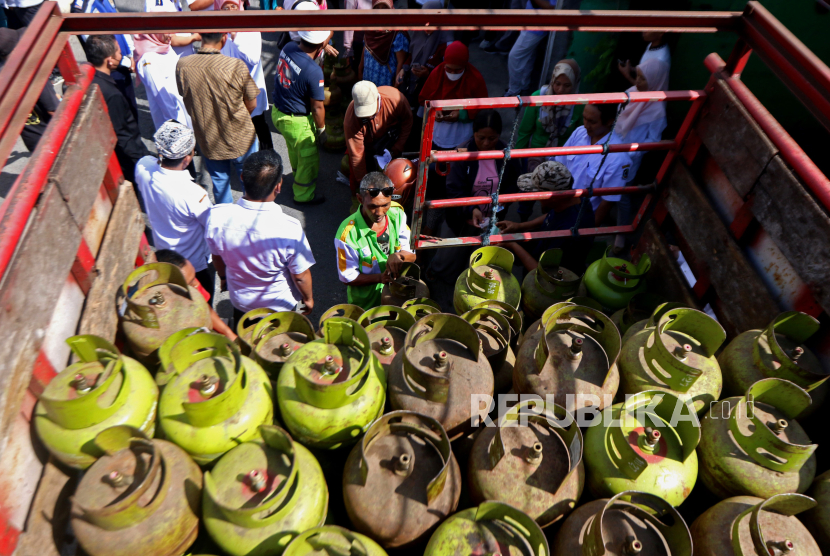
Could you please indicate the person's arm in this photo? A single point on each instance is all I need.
(250, 91)
(318, 112)
(403, 114)
(508, 227)
(178, 40)
(348, 36)
(199, 5)
(628, 71)
(400, 58)
(355, 148)
(303, 282)
(525, 258)
(219, 326)
(394, 264)
(602, 211)
(348, 267)
(329, 49)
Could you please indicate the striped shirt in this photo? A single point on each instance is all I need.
(214, 88)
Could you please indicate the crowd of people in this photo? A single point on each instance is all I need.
(207, 96)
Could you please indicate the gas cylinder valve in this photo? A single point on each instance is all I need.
(403, 464)
(781, 547)
(81, 384)
(576, 349)
(534, 454)
(256, 480)
(633, 547)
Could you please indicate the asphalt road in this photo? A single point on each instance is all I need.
(320, 222)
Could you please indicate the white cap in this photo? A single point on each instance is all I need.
(365, 95)
(312, 37)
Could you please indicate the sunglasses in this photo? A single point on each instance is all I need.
(386, 191)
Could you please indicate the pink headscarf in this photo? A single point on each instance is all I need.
(150, 43)
(217, 4)
(640, 113)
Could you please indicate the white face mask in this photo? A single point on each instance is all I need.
(453, 76)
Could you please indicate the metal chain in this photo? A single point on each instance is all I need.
(587, 198)
(493, 229)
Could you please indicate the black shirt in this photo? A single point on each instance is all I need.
(575, 248)
(39, 118)
(129, 149)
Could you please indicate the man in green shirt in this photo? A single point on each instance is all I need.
(373, 243)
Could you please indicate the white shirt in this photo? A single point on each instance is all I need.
(662, 53)
(449, 135)
(650, 132)
(247, 47)
(177, 209)
(22, 3)
(158, 73)
(261, 247)
(583, 167)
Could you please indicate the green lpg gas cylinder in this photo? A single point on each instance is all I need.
(408, 285)
(650, 321)
(387, 326)
(246, 325)
(332, 540)
(547, 284)
(634, 447)
(331, 389)
(102, 390)
(141, 497)
(489, 276)
(817, 519)
(167, 371)
(277, 336)
(217, 399)
(420, 307)
(627, 524)
(159, 302)
(532, 459)
(262, 493)
(778, 352)
(440, 371)
(676, 356)
(613, 282)
(513, 316)
(495, 334)
(491, 528)
(641, 307)
(344, 310)
(750, 526)
(574, 361)
(401, 480)
(751, 445)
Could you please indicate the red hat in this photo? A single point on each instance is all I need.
(457, 54)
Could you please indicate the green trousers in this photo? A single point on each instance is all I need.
(300, 138)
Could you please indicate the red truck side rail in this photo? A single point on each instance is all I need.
(57, 252)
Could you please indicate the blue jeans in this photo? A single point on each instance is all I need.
(520, 61)
(220, 173)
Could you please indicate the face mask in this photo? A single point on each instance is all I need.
(454, 76)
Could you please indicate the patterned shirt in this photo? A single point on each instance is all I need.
(214, 88)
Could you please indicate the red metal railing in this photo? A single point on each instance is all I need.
(428, 156)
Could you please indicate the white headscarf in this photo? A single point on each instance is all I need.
(640, 113)
(556, 119)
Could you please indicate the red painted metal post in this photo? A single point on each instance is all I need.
(535, 196)
(452, 156)
(423, 172)
(738, 58)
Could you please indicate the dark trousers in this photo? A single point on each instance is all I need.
(263, 132)
(207, 278)
(17, 18)
(237, 317)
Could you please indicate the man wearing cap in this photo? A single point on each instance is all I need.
(560, 213)
(176, 206)
(378, 119)
(298, 112)
(373, 243)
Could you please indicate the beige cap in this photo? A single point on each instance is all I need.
(366, 96)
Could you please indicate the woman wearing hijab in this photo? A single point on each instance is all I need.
(384, 53)
(453, 78)
(155, 67)
(545, 126)
(247, 46)
(427, 51)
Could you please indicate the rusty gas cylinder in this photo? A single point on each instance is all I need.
(779, 352)
(331, 540)
(489, 276)
(575, 361)
(158, 307)
(646, 443)
(217, 398)
(627, 524)
(102, 390)
(167, 370)
(387, 326)
(246, 325)
(495, 334)
(419, 307)
(641, 307)
(408, 285)
(751, 445)
(817, 519)
(401, 480)
(547, 284)
(141, 497)
(513, 316)
(344, 310)
(491, 529)
(262, 493)
(651, 321)
(677, 356)
(536, 329)
(750, 526)
(331, 389)
(277, 336)
(441, 367)
(613, 282)
(532, 459)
